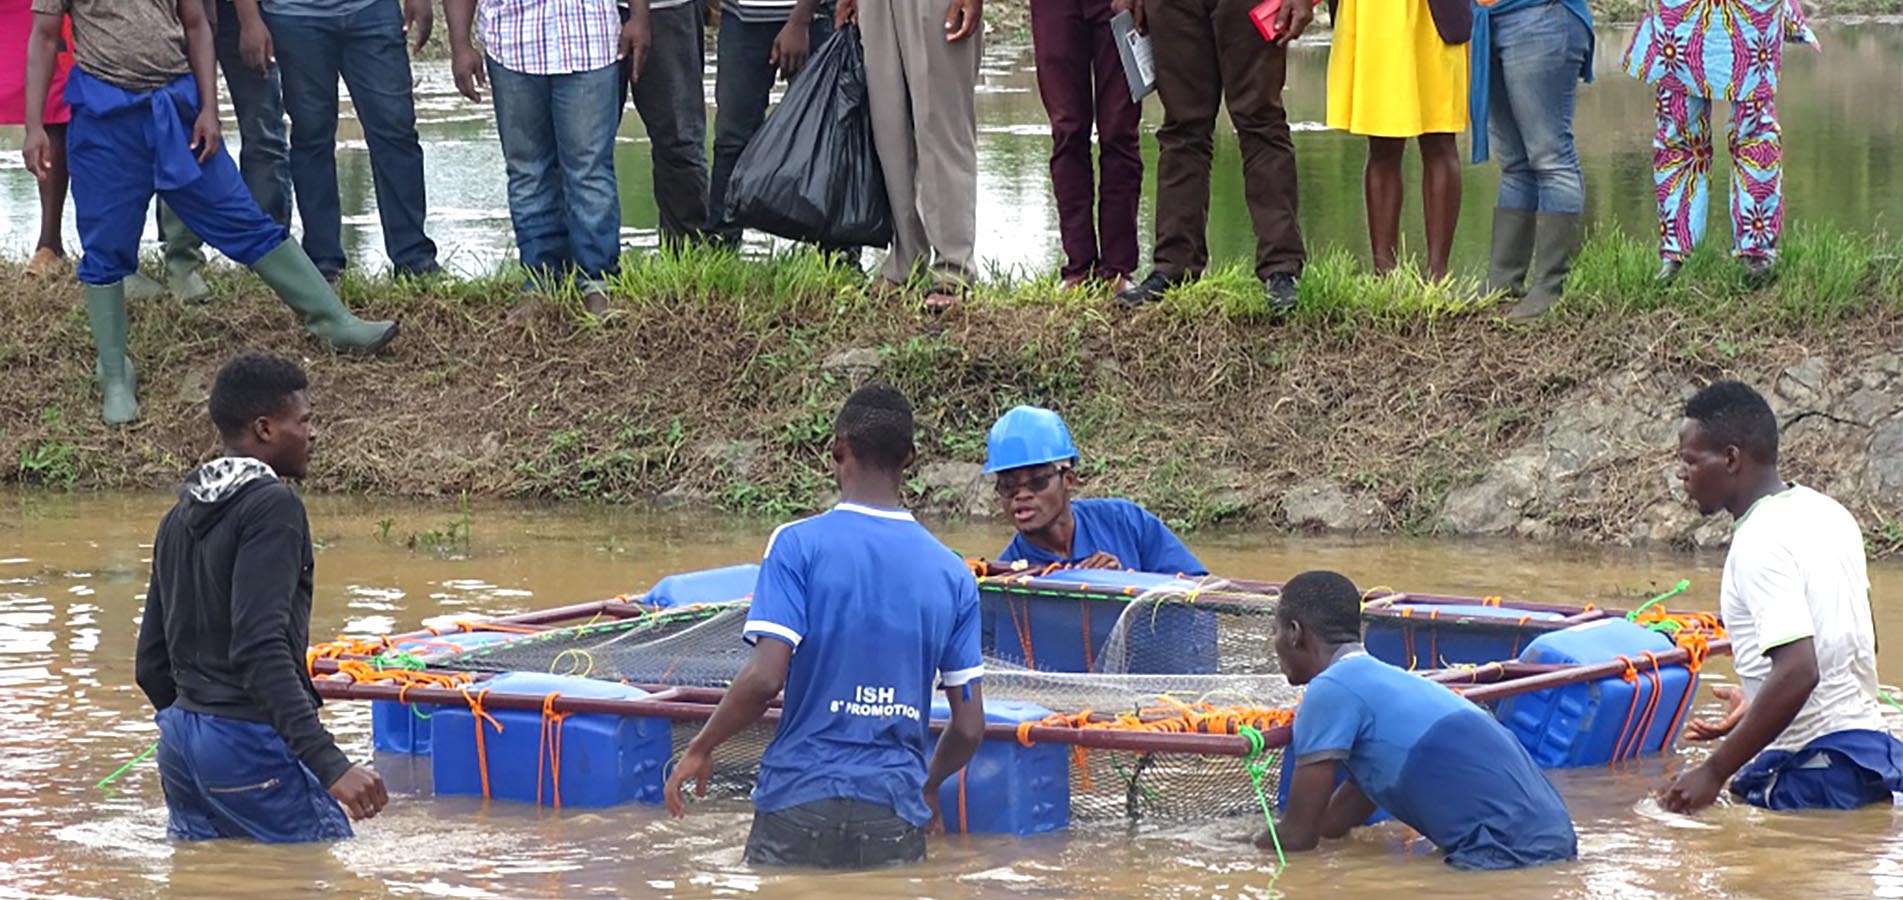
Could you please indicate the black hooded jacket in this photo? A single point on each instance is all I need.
(228, 612)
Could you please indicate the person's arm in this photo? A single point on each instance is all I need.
(1163, 551)
(793, 44)
(42, 50)
(204, 58)
(746, 700)
(152, 662)
(1136, 11)
(961, 664)
(418, 21)
(636, 37)
(1346, 811)
(254, 38)
(465, 60)
(1292, 20)
(1793, 677)
(1309, 793)
(264, 577)
(963, 19)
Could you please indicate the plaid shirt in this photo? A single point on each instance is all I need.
(550, 37)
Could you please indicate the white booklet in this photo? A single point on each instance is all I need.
(1138, 65)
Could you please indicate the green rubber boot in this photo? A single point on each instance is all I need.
(1558, 244)
(184, 257)
(289, 272)
(106, 311)
(1512, 251)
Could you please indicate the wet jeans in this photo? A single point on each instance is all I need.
(558, 143)
(366, 50)
(671, 98)
(227, 778)
(1536, 58)
(834, 834)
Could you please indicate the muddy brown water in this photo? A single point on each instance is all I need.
(73, 569)
(1842, 133)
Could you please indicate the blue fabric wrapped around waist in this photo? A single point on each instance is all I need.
(167, 111)
(1859, 766)
(1480, 63)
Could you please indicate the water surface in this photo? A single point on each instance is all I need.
(73, 570)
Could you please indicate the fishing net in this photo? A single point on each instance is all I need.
(1133, 624)
(700, 646)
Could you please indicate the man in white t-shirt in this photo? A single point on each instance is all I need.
(1805, 732)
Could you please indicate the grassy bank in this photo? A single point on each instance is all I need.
(714, 378)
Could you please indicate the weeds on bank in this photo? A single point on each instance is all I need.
(52, 461)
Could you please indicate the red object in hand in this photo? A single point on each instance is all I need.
(1263, 15)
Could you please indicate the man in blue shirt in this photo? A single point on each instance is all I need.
(857, 611)
(1031, 453)
(1436, 762)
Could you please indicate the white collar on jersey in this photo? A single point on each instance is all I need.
(876, 512)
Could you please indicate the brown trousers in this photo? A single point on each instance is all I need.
(1206, 51)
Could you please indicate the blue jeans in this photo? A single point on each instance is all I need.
(558, 141)
(366, 49)
(257, 99)
(671, 98)
(742, 85)
(227, 778)
(1537, 55)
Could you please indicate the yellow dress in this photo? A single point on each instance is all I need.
(1390, 74)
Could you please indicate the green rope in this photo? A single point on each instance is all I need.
(398, 660)
(128, 766)
(1890, 700)
(1259, 764)
(1683, 585)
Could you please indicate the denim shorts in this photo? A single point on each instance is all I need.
(834, 834)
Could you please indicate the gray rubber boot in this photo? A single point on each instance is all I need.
(1556, 245)
(106, 312)
(289, 272)
(1512, 252)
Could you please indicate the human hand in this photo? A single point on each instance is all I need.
(936, 825)
(38, 153)
(471, 74)
(1692, 791)
(1136, 11)
(1100, 560)
(361, 792)
(846, 11)
(1293, 19)
(963, 19)
(791, 48)
(206, 138)
(418, 21)
(255, 45)
(1706, 730)
(635, 40)
(695, 765)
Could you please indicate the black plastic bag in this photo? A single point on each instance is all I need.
(811, 172)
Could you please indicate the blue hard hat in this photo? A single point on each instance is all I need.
(1027, 436)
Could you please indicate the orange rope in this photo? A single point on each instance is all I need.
(1518, 636)
(482, 746)
(1090, 666)
(1022, 628)
(1433, 640)
(1631, 676)
(1651, 706)
(550, 737)
(964, 824)
(1697, 648)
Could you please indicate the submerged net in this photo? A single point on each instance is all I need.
(700, 646)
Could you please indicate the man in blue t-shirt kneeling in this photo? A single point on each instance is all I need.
(861, 610)
(1436, 762)
(1031, 453)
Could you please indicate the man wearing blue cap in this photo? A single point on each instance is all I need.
(1031, 453)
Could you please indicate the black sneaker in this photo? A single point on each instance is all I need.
(1150, 289)
(1283, 290)
(1668, 272)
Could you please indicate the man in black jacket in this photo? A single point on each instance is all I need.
(227, 620)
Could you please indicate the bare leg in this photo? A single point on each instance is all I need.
(1440, 198)
(53, 191)
(1382, 183)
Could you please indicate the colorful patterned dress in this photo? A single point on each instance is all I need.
(1696, 52)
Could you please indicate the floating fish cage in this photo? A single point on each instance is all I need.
(1108, 695)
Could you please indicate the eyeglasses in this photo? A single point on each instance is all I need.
(1037, 483)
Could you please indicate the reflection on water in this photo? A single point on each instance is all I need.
(72, 571)
(1842, 131)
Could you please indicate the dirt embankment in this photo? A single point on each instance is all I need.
(1449, 424)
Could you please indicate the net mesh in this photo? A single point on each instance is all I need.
(700, 646)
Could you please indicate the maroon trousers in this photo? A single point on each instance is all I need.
(1080, 76)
